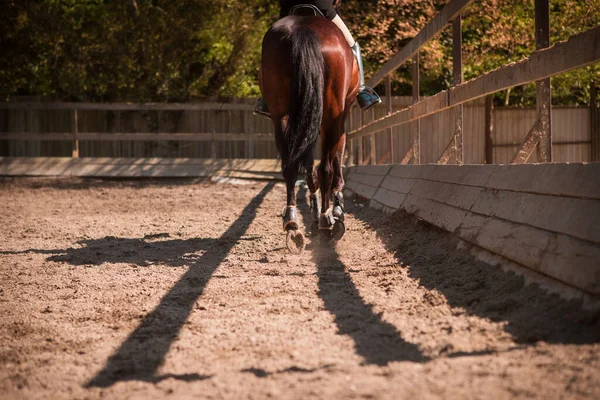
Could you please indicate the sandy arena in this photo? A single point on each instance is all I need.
(153, 289)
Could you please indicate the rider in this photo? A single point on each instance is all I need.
(366, 97)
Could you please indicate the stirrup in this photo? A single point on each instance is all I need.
(367, 98)
(261, 110)
(306, 10)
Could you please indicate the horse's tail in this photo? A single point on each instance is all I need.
(306, 102)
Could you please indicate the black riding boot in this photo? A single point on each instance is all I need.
(261, 110)
(366, 97)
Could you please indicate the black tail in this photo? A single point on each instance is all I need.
(304, 123)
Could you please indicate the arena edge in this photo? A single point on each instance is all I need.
(544, 217)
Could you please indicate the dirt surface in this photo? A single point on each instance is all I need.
(183, 289)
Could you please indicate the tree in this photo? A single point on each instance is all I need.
(495, 32)
(166, 50)
(134, 50)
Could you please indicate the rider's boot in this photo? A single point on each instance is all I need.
(366, 97)
(261, 110)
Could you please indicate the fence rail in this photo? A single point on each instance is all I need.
(28, 132)
(229, 128)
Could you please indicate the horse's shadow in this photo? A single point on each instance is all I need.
(142, 353)
(376, 340)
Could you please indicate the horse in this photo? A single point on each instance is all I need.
(309, 79)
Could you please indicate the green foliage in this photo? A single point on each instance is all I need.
(495, 32)
(160, 50)
(131, 50)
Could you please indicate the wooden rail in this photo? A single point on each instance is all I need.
(578, 51)
(435, 26)
(75, 136)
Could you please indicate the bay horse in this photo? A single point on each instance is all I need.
(309, 79)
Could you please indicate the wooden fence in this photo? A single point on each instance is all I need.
(579, 51)
(190, 130)
(33, 129)
(572, 129)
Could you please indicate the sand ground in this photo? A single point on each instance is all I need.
(184, 289)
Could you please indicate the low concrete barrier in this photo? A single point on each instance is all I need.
(545, 217)
(140, 167)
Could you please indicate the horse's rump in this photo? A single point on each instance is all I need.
(299, 56)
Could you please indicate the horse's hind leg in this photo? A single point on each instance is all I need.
(325, 173)
(339, 228)
(294, 239)
(290, 215)
(312, 180)
(330, 175)
(338, 180)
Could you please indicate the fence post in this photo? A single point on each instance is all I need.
(489, 129)
(360, 139)
(457, 69)
(416, 96)
(543, 88)
(372, 150)
(213, 144)
(75, 143)
(388, 92)
(594, 126)
(351, 141)
(245, 132)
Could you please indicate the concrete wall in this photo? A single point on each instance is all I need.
(545, 217)
(140, 167)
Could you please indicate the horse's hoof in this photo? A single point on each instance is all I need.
(294, 241)
(338, 213)
(290, 226)
(338, 231)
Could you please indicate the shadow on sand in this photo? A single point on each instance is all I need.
(140, 355)
(376, 340)
(139, 252)
(432, 258)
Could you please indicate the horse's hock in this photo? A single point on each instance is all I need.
(544, 217)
